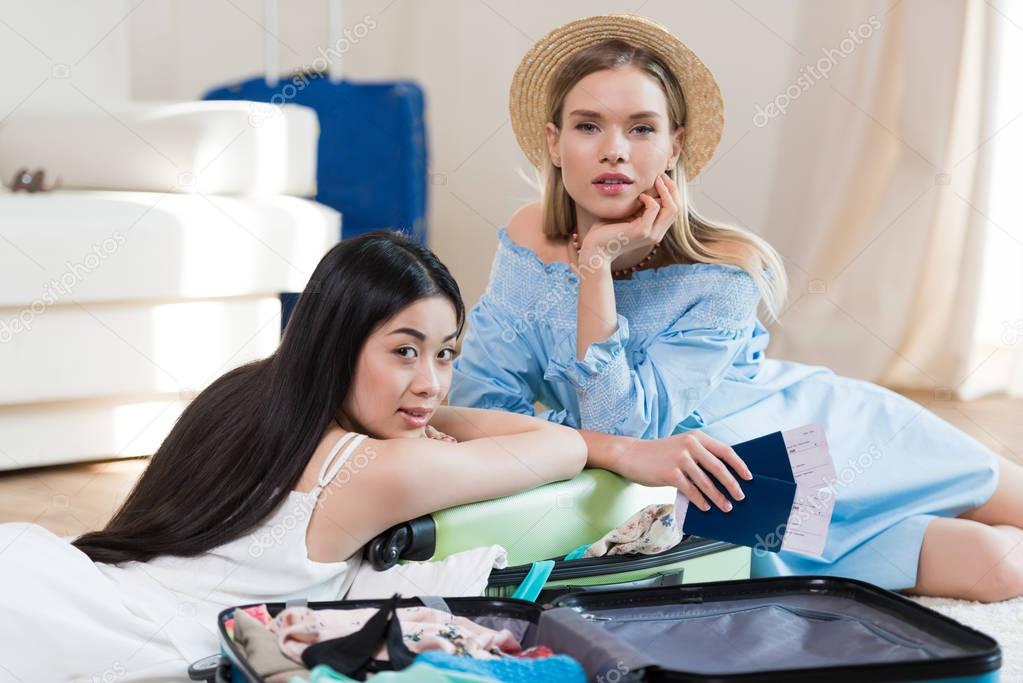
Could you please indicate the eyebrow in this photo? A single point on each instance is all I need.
(413, 332)
(586, 113)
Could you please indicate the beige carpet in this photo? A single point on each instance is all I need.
(1003, 621)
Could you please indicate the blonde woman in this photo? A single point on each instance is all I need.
(632, 318)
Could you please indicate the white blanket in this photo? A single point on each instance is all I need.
(65, 619)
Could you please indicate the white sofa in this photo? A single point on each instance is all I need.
(116, 307)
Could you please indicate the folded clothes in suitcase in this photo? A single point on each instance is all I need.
(547, 523)
(780, 629)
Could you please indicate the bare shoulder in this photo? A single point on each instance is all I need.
(525, 228)
(348, 514)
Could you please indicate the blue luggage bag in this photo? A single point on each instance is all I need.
(372, 151)
(371, 158)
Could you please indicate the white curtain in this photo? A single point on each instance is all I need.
(997, 336)
(888, 175)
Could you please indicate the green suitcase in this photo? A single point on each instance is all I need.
(549, 522)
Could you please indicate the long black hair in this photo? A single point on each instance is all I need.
(244, 442)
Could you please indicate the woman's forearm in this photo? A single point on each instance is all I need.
(597, 317)
(466, 424)
(606, 451)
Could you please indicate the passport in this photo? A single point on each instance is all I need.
(787, 504)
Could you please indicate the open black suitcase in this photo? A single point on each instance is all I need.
(778, 629)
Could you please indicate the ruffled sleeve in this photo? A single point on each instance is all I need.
(496, 368)
(647, 390)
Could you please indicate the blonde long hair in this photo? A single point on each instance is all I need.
(691, 237)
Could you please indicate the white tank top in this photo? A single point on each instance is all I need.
(270, 564)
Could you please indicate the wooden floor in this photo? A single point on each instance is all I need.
(72, 499)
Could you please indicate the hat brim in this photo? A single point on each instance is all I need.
(704, 106)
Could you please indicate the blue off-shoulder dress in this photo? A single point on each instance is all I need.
(689, 354)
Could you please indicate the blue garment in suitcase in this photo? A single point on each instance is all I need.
(372, 156)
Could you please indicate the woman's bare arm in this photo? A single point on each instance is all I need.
(390, 481)
(467, 424)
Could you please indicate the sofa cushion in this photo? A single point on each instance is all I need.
(77, 352)
(67, 246)
(216, 147)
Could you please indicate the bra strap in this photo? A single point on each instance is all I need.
(333, 463)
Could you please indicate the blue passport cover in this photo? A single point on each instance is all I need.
(759, 520)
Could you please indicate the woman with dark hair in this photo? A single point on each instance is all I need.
(275, 477)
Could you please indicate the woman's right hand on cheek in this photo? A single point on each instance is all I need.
(643, 229)
(687, 461)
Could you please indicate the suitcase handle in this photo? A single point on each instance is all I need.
(271, 55)
(535, 580)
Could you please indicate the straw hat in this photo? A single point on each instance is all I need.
(704, 106)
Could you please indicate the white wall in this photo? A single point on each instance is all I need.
(464, 52)
(60, 54)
